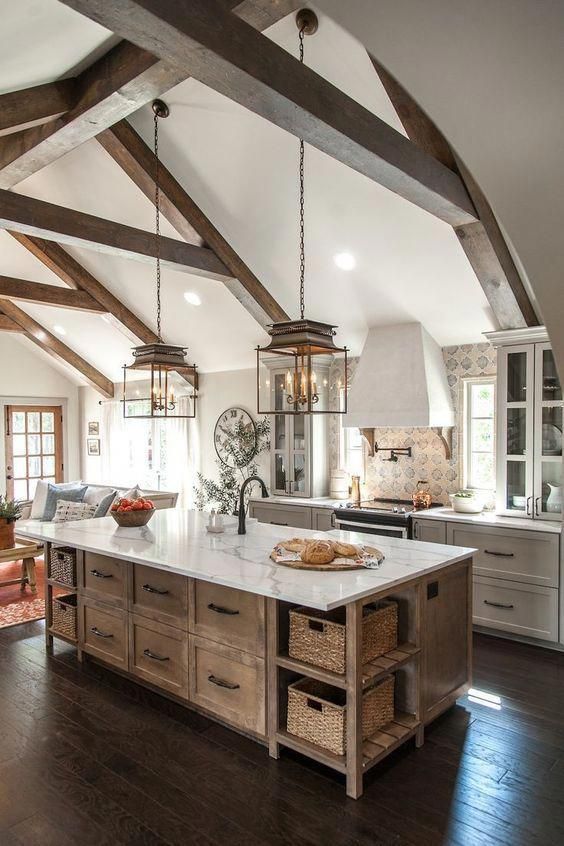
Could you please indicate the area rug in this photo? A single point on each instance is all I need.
(21, 606)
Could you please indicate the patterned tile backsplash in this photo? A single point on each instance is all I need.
(387, 479)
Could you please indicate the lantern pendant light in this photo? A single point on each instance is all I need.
(169, 389)
(293, 370)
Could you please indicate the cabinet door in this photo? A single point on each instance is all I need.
(280, 437)
(322, 519)
(515, 446)
(299, 483)
(432, 531)
(548, 436)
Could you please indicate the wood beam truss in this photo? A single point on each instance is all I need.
(54, 295)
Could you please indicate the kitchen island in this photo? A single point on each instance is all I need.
(204, 618)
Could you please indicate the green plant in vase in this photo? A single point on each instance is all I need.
(10, 511)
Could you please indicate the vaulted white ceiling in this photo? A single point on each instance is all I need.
(243, 172)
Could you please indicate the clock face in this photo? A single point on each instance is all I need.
(235, 437)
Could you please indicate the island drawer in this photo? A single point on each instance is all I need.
(527, 610)
(226, 615)
(104, 578)
(228, 683)
(159, 654)
(160, 595)
(103, 632)
(513, 554)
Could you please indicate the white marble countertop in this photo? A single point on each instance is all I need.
(489, 518)
(311, 502)
(177, 541)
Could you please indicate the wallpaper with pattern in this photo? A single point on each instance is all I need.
(428, 462)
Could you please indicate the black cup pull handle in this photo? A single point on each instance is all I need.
(498, 604)
(219, 609)
(151, 589)
(100, 575)
(98, 633)
(222, 683)
(500, 554)
(154, 655)
(274, 523)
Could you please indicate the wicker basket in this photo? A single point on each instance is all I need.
(64, 615)
(317, 712)
(62, 565)
(319, 637)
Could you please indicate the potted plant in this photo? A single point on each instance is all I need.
(467, 502)
(10, 511)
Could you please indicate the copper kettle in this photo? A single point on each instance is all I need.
(421, 496)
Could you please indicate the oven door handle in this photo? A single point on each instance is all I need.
(369, 527)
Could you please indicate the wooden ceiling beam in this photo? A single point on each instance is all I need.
(482, 241)
(129, 150)
(228, 55)
(8, 325)
(55, 348)
(54, 295)
(56, 223)
(40, 103)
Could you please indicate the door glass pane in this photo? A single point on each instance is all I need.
(279, 473)
(551, 389)
(516, 431)
(20, 489)
(552, 431)
(33, 421)
(299, 474)
(34, 444)
(34, 466)
(48, 444)
(517, 377)
(18, 444)
(280, 431)
(516, 495)
(20, 468)
(48, 465)
(32, 486)
(18, 421)
(47, 421)
(299, 432)
(552, 486)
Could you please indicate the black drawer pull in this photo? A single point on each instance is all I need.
(154, 655)
(219, 609)
(497, 604)
(98, 633)
(100, 575)
(500, 554)
(222, 683)
(151, 589)
(274, 523)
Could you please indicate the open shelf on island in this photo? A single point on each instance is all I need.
(64, 637)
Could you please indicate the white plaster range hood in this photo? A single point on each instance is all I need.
(400, 381)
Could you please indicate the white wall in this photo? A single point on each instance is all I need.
(27, 377)
(89, 411)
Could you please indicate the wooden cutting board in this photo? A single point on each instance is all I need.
(334, 566)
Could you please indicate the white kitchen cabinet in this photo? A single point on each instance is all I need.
(281, 515)
(431, 531)
(521, 609)
(322, 519)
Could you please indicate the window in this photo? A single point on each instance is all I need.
(479, 434)
(351, 451)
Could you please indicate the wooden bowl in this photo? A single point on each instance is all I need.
(131, 519)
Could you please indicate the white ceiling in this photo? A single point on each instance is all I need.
(243, 173)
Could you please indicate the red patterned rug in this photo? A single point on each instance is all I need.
(21, 606)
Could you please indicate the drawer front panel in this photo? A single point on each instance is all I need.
(104, 633)
(225, 615)
(527, 610)
(159, 654)
(228, 683)
(521, 556)
(293, 515)
(105, 578)
(160, 595)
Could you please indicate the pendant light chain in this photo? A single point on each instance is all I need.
(302, 204)
(158, 225)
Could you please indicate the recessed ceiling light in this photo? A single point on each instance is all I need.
(59, 330)
(192, 298)
(346, 261)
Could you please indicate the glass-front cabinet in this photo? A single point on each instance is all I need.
(529, 442)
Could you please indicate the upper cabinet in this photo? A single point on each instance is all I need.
(529, 426)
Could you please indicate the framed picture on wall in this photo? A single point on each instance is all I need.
(93, 446)
(94, 428)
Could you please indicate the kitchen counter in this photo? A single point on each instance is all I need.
(489, 518)
(177, 541)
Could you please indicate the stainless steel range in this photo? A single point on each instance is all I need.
(390, 517)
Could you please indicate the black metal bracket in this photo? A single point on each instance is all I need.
(395, 452)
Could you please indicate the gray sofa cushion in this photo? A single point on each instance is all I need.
(54, 494)
(104, 505)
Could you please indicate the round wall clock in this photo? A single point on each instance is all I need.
(235, 437)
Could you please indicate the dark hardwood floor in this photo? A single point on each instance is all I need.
(89, 758)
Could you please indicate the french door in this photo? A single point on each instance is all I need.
(34, 448)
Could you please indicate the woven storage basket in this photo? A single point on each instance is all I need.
(317, 712)
(64, 615)
(319, 637)
(62, 565)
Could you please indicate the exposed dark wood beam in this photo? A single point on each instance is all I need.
(76, 276)
(52, 345)
(8, 325)
(40, 103)
(482, 241)
(227, 54)
(56, 223)
(55, 295)
(129, 150)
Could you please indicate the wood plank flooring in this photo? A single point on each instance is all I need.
(89, 758)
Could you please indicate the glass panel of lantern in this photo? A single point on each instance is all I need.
(159, 389)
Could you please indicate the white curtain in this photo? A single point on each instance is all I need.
(115, 461)
(182, 455)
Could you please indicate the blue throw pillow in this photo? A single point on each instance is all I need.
(104, 504)
(55, 494)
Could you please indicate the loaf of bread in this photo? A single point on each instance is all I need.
(317, 552)
(294, 545)
(344, 550)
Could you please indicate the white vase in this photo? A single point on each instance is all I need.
(554, 501)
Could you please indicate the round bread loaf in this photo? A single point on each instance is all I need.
(317, 552)
(294, 545)
(345, 550)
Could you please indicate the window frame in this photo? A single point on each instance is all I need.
(467, 431)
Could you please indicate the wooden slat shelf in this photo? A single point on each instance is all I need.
(68, 639)
(318, 673)
(55, 583)
(323, 756)
(388, 738)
